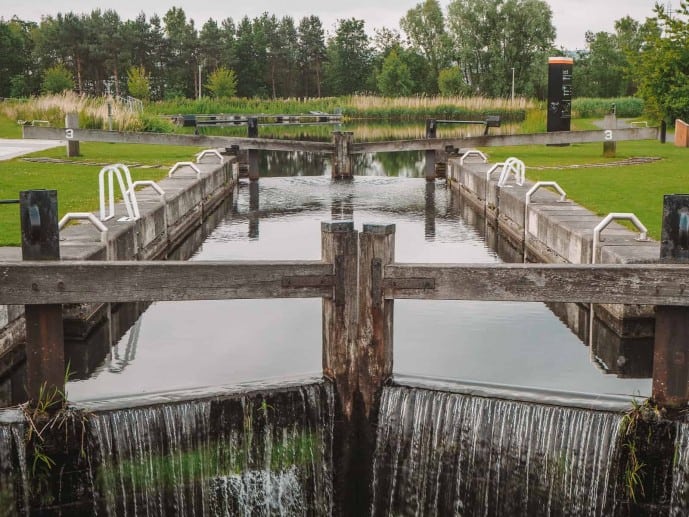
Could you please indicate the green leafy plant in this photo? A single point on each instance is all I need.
(57, 79)
(222, 83)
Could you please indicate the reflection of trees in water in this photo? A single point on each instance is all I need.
(295, 163)
(406, 163)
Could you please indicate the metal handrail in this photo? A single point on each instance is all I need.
(114, 170)
(214, 152)
(71, 216)
(531, 192)
(184, 164)
(473, 152)
(616, 216)
(131, 193)
(516, 166)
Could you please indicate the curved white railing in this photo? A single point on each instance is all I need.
(184, 164)
(517, 167)
(616, 216)
(206, 152)
(531, 192)
(473, 152)
(71, 216)
(113, 172)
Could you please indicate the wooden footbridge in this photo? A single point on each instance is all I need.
(343, 145)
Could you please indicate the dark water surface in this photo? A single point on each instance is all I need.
(181, 345)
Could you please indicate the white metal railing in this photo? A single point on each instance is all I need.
(473, 152)
(125, 184)
(531, 192)
(206, 152)
(131, 193)
(515, 166)
(178, 165)
(614, 216)
(71, 216)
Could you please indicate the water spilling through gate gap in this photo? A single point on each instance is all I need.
(252, 455)
(449, 454)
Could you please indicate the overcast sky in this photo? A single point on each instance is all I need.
(572, 18)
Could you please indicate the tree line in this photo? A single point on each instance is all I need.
(431, 51)
(473, 47)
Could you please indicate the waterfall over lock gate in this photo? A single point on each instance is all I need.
(252, 455)
(443, 453)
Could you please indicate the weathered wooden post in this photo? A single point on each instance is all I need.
(429, 215)
(431, 132)
(45, 362)
(339, 246)
(342, 158)
(610, 124)
(71, 123)
(671, 346)
(373, 357)
(254, 216)
(252, 154)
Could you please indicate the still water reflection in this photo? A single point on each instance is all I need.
(193, 344)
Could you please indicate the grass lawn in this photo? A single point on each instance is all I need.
(77, 184)
(634, 188)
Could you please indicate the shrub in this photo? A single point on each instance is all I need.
(222, 83)
(57, 79)
(450, 82)
(138, 83)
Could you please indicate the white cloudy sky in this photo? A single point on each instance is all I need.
(572, 18)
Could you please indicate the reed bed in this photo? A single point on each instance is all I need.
(93, 111)
(355, 107)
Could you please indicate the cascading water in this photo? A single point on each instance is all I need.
(252, 455)
(14, 482)
(679, 503)
(444, 453)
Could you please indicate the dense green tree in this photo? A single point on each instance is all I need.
(394, 78)
(493, 36)
(662, 66)
(311, 54)
(15, 52)
(251, 65)
(181, 46)
(424, 26)
(348, 68)
(212, 45)
(63, 39)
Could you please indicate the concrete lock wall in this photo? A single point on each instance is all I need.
(163, 225)
(558, 232)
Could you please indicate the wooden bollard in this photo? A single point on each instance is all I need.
(71, 123)
(45, 361)
(671, 345)
(431, 132)
(342, 158)
(252, 154)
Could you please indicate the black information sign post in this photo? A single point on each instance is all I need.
(559, 93)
